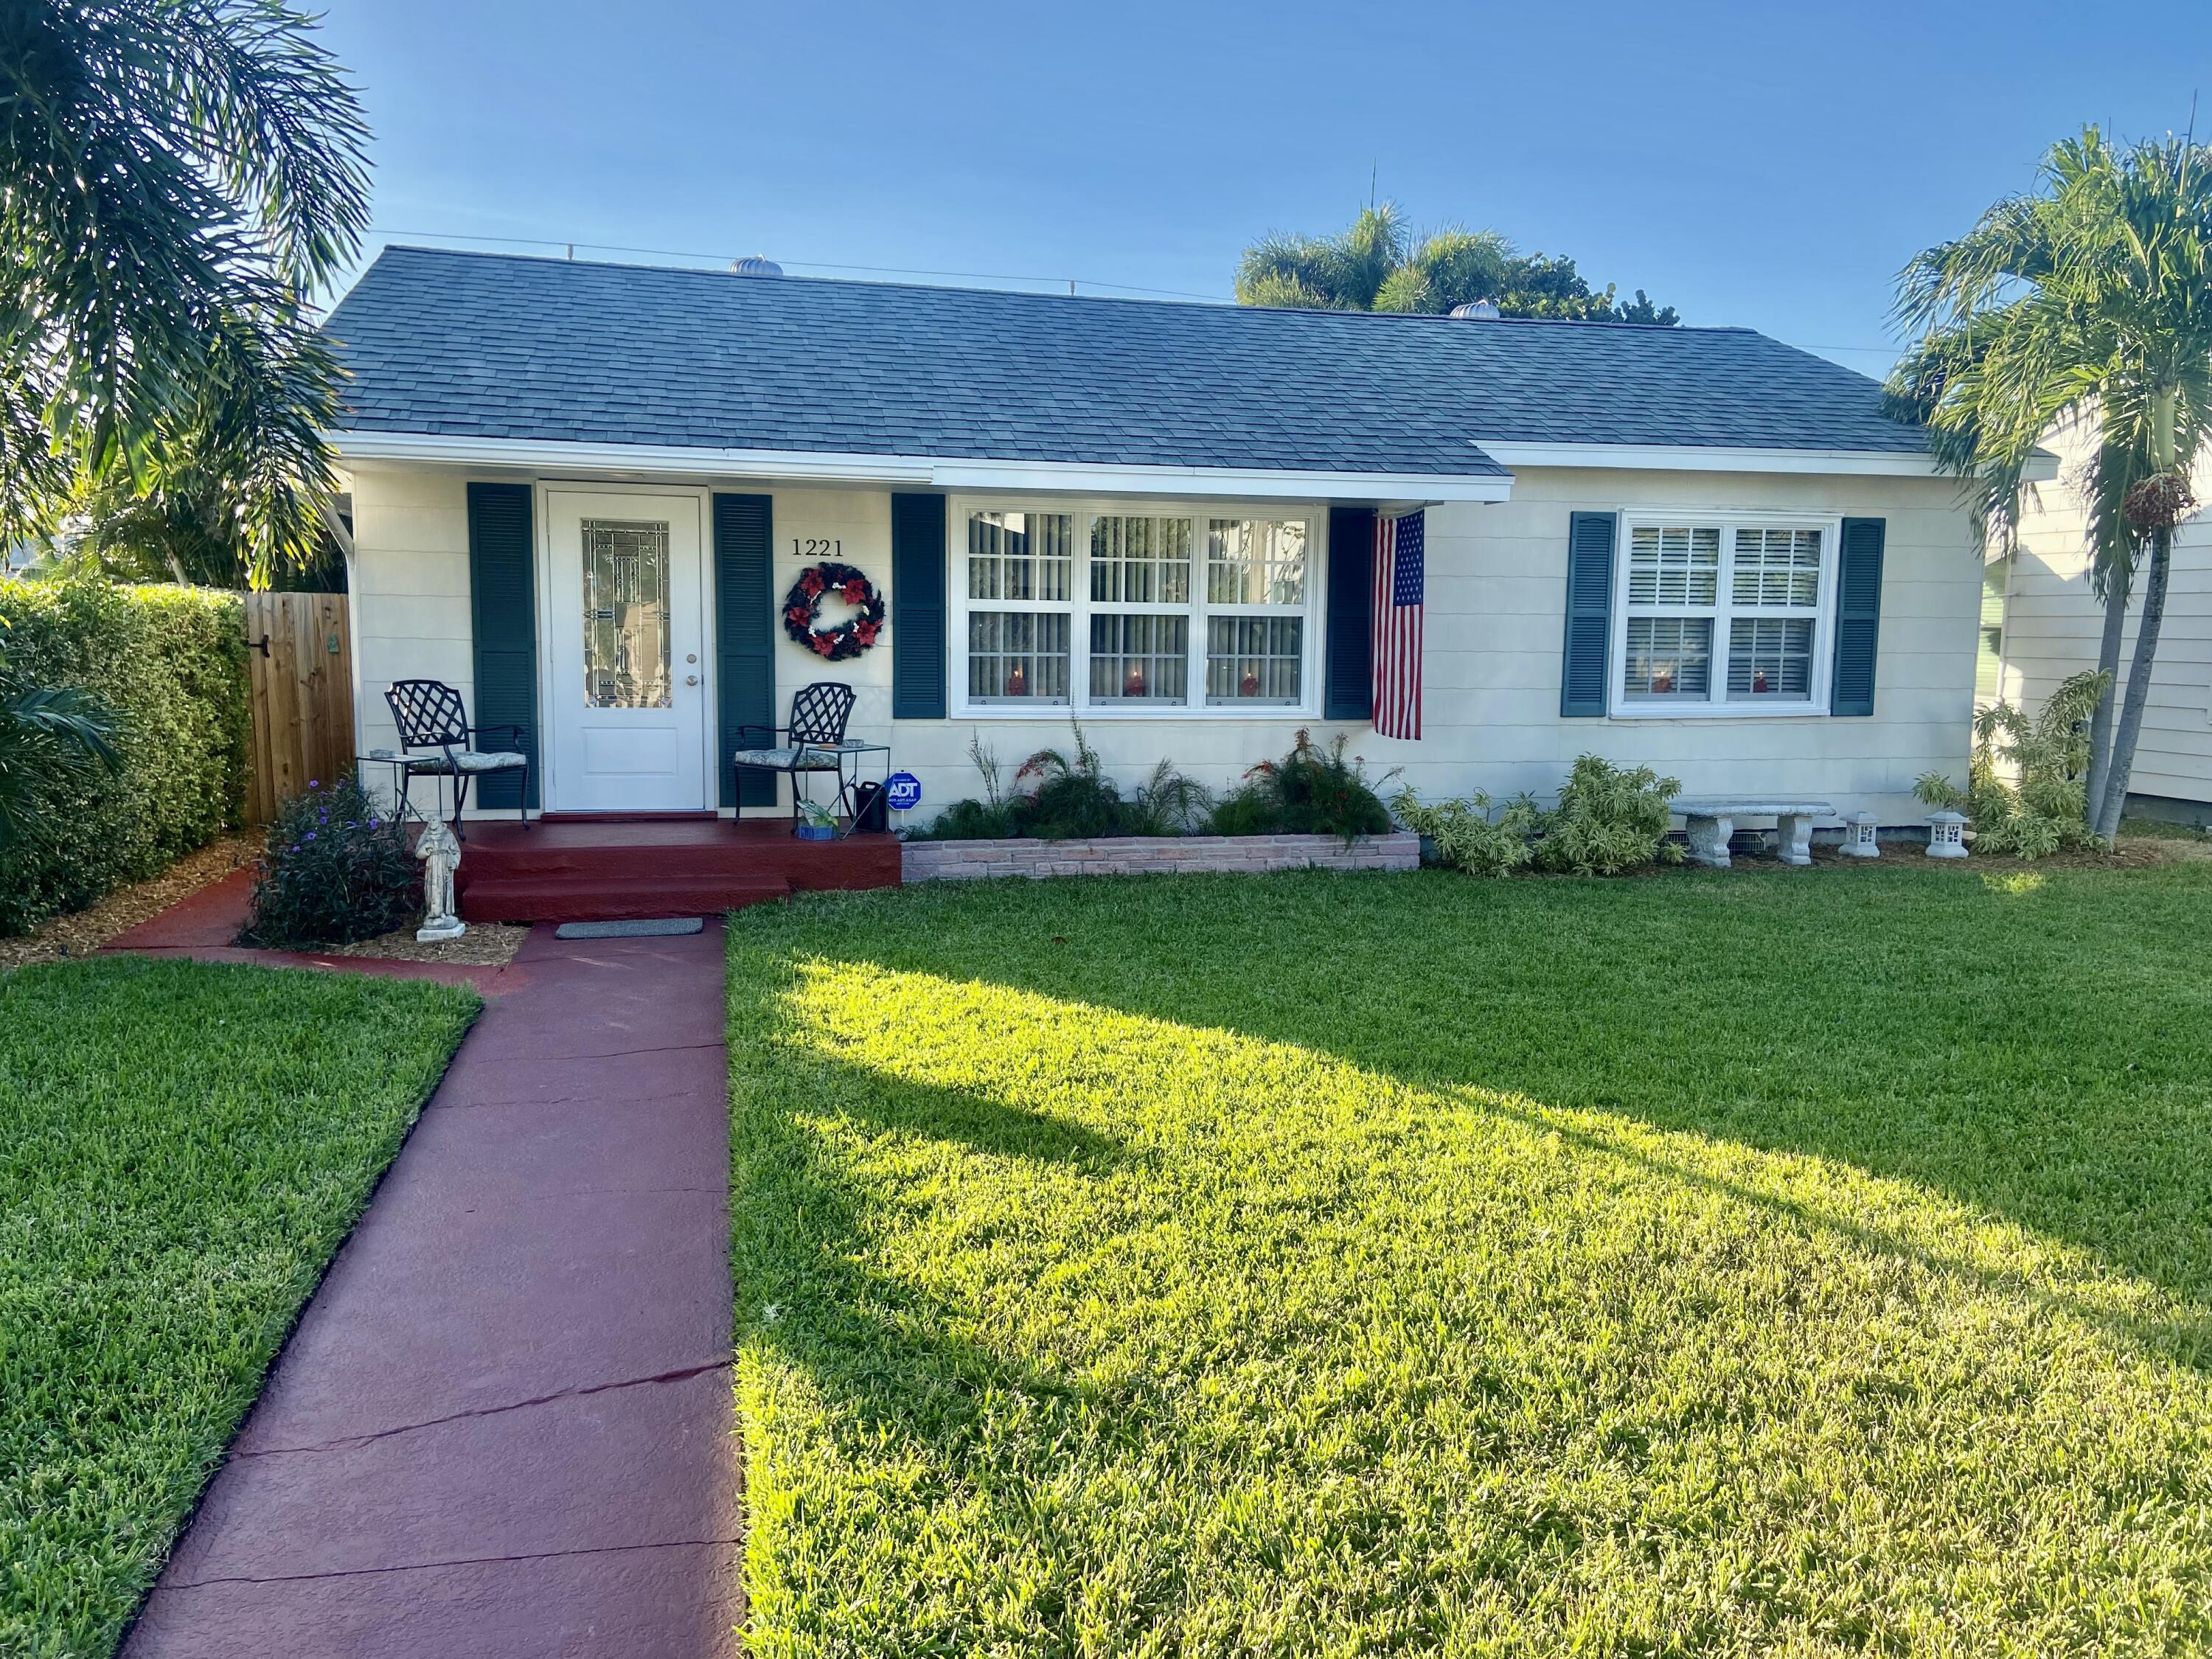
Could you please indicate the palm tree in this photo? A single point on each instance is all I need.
(1379, 265)
(178, 176)
(2088, 299)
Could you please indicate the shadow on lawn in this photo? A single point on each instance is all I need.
(2040, 1058)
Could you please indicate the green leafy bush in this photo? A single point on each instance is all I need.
(337, 870)
(1069, 796)
(2041, 807)
(168, 665)
(1311, 791)
(1468, 837)
(1609, 819)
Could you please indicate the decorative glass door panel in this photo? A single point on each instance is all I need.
(625, 654)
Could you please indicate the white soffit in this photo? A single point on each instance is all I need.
(816, 466)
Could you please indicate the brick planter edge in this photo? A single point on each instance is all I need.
(1142, 855)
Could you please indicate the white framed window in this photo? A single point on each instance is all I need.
(1121, 609)
(1723, 614)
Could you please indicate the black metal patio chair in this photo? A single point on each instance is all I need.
(432, 719)
(818, 714)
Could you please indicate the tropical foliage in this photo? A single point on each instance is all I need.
(165, 669)
(48, 733)
(2027, 783)
(1379, 264)
(1065, 794)
(1475, 834)
(1312, 791)
(177, 176)
(2089, 298)
(1608, 819)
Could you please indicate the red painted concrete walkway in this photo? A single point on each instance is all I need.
(504, 1424)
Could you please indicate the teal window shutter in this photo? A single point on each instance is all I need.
(503, 615)
(1858, 616)
(1585, 672)
(744, 640)
(917, 607)
(1348, 680)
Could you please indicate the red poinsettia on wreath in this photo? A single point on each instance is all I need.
(802, 611)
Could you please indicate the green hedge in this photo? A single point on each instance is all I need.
(171, 663)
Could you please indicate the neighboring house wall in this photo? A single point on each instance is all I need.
(2053, 623)
(1496, 583)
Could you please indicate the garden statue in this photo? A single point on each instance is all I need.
(440, 855)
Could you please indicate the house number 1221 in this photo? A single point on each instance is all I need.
(813, 547)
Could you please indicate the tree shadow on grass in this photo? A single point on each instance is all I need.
(2039, 1057)
(838, 1148)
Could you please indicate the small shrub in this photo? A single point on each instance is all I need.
(2042, 808)
(1468, 837)
(335, 871)
(1311, 791)
(1608, 819)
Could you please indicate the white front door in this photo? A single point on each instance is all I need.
(629, 691)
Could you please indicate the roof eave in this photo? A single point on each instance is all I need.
(1254, 483)
(1714, 458)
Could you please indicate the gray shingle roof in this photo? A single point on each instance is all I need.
(498, 346)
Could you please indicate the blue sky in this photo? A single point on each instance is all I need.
(1770, 165)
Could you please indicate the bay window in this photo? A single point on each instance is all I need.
(1136, 611)
(1722, 616)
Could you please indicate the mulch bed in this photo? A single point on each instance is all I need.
(486, 945)
(83, 932)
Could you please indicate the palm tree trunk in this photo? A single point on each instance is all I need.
(2100, 724)
(2138, 697)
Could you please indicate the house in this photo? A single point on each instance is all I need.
(2042, 624)
(582, 491)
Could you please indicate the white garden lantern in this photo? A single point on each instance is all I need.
(1946, 837)
(1859, 838)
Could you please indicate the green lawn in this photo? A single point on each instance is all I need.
(1766, 1262)
(182, 1150)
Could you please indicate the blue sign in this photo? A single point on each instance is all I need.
(903, 791)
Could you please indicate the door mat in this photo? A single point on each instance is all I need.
(628, 929)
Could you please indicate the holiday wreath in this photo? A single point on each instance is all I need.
(802, 609)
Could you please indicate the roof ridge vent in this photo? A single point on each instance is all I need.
(755, 264)
(1480, 311)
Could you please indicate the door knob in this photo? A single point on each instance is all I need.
(691, 679)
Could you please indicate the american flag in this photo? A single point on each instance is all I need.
(1401, 595)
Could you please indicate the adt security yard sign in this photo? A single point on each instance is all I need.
(902, 791)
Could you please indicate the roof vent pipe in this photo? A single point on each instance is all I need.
(755, 264)
(1481, 310)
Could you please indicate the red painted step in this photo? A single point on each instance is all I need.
(582, 897)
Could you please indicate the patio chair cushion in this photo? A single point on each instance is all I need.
(790, 758)
(469, 761)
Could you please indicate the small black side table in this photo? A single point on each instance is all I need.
(851, 757)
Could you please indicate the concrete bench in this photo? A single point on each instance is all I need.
(1712, 822)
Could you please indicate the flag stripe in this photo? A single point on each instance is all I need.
(1401, 600)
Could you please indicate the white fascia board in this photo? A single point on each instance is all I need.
(1698, 458)
(1058, 477)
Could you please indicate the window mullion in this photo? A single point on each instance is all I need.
(1078, 621)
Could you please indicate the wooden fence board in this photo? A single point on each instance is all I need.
(302, 695)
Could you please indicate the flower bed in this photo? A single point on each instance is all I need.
(1137, 855)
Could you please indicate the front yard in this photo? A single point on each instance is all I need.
(182, 1150)
(1816, 1262)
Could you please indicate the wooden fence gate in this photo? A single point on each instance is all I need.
(300, 656)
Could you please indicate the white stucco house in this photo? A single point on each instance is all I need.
(1697, 548)
(2042, 624)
